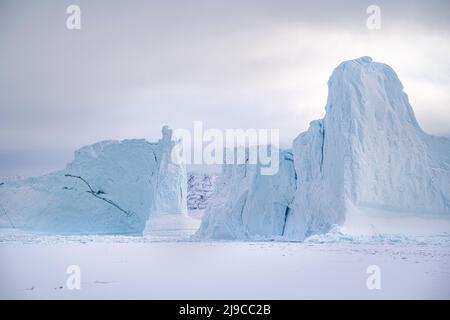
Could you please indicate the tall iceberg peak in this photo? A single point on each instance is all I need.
(171, 191)
(367, 158)
(370, 87)
(375, 158)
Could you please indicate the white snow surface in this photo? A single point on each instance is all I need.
(135, 175)
(332, 266)
(364, 166)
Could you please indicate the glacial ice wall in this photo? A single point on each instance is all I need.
(246, 204)
(367, 158)
(110, 187)
(171, 182)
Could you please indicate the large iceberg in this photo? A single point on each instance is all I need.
(110, 187)
(367, 159)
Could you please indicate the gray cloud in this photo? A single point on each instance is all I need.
(137, 65)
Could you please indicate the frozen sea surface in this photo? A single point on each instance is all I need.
(34, 266)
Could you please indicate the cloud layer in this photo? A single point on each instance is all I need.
(137, 65)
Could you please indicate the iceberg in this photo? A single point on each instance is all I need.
(247, 204)
(110, 187)
(365, 162)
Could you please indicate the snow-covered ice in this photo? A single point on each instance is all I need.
(123, 267)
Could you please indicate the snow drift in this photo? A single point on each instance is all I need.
(109, 187)
(368, 158)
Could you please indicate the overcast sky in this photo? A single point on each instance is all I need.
(137, 65)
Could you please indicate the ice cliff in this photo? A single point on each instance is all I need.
(109, 187)
(367, 158)
(247, 204)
